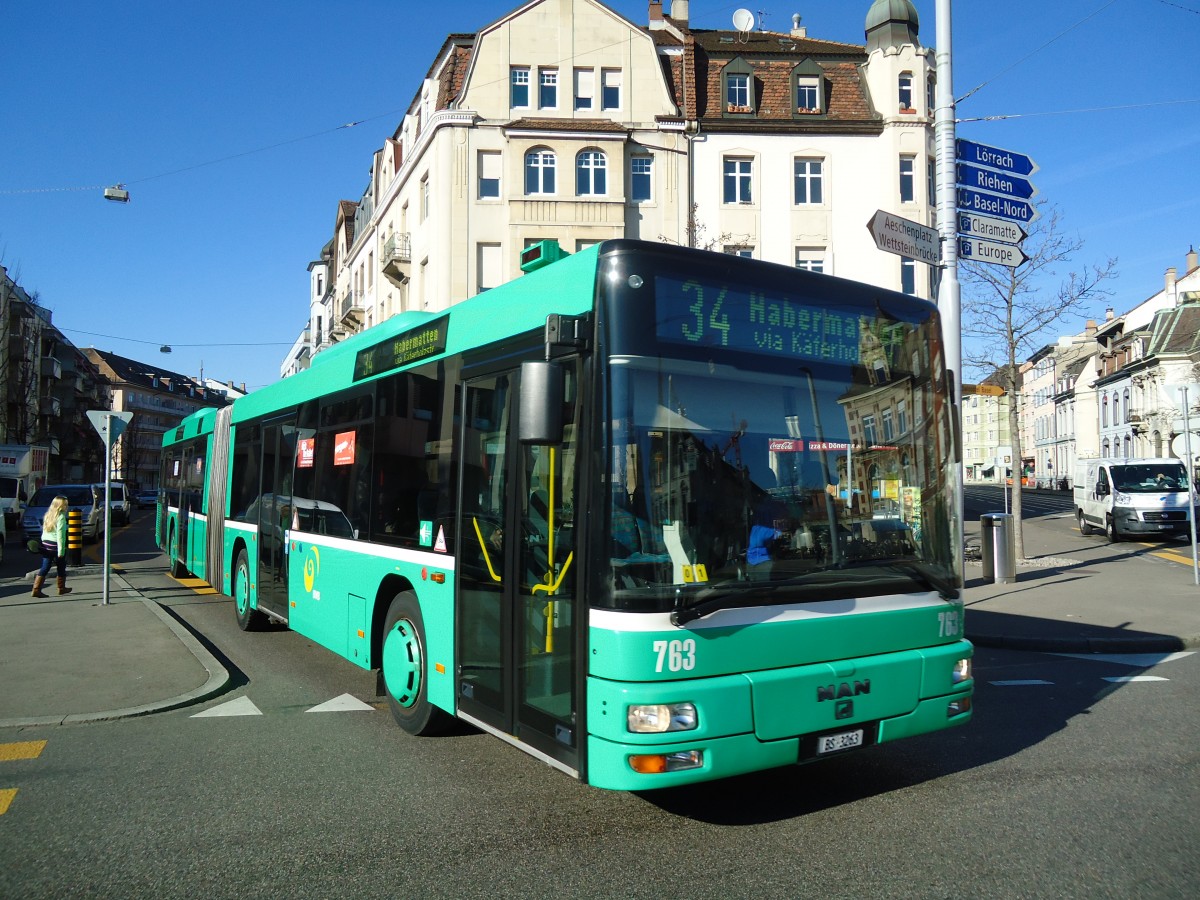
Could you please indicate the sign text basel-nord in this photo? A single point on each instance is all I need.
(993, 195)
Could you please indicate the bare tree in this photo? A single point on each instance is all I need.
(695, 234)
(1009, 313)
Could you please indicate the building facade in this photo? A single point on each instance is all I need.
(565, 120)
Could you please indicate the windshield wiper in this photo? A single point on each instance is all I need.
(711, 601)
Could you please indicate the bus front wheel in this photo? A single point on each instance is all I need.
(405, 668)
(248, 619)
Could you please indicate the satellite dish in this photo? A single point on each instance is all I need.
(743, 20)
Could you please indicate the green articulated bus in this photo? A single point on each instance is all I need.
(652, 515)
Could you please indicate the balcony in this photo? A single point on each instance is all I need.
(350, 310)
(50, 406)
(51, 368)
(397, 259)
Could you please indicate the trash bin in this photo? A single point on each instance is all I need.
(999, 548)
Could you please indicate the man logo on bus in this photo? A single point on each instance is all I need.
(837, 692)
(312, 566)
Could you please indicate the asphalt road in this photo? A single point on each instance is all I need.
(1067, 784)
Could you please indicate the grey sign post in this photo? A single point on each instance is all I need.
(109, 425)
(1181, 392)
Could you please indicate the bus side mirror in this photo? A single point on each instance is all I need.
(543, 385)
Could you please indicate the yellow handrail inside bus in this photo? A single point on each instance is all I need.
(483, 546)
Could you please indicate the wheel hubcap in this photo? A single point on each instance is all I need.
(243, 590)
(402, 663)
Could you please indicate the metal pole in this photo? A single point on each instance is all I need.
(107, 501)
(949, 301)
(1187, 445)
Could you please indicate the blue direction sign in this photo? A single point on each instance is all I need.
(970, 201)
(993, 158)
(996, 182)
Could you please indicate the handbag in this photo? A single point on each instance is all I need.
(34, 545)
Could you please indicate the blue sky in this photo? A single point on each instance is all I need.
(223, 119)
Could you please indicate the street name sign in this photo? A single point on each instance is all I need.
(996, 182)
(989, 228)
(993, 157)
(975, 250)
(995, 205)
(904, 237)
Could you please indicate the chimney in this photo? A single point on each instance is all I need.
(1170, 280)
(656, 15)
(1108, 314)
(679, 11)
(1090, 328)
(1192, 261)
(798, 30)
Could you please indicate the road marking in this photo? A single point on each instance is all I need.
(1126, 679)
(1019, 682)
(242, 706)
(1138, 660)
(344, 703)
(21, 750)
(6, 799)
(1172, 556)
(197, 585)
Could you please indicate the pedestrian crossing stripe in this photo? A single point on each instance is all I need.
(21, 750)
(1126, 679)
(1019, 682)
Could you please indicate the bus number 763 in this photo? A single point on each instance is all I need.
(676, 655)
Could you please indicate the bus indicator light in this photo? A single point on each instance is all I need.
(658, 763)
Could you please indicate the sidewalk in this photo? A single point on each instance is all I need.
(70, 659)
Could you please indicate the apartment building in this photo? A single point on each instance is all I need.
(565, 120)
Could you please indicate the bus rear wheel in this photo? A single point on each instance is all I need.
(405, 668)
(248, 619)
(178, 569)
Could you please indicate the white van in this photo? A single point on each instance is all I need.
(1127, 497)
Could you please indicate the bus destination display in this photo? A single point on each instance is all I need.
(729, 316)
(405, 348)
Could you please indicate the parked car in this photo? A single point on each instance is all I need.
(120, 501)
(146, 499)
(87, 498)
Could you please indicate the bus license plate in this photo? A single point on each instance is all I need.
(830, 743)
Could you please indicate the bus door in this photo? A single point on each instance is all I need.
(275, 515)
(518, 610)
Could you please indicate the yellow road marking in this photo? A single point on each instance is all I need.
(198, 585)
(6, 799)
(1173, 557)
(21, 750)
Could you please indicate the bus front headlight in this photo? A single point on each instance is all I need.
(662, 717)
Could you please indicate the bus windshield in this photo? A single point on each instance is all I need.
(749, 478)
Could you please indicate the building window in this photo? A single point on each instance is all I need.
(906, 92)
(931, 181)
(489, 175)
(737, 92)
(424, 198)
(488, 266)
(868, 424)
(889, 426)
(548, 88)
(908, 275)
(902, 416)
(1126, 404)
(585, 88)
(811, 259)
(808, 182)
(808, 93)
(740, 250)
(539, 172)
(590, 170)
(610, 89)
(641, 184)
(520, 86)
(1104, 411)
(907, 188)
(738, 176)
(930, 95)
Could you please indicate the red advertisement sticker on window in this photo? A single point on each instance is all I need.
(343, 449)
(304, 453)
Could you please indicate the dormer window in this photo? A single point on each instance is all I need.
(739, 88)
(808, 89)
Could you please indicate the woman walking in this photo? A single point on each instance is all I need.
(54, 546)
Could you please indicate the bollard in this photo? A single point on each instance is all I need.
(74, 537)
(998, 542)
